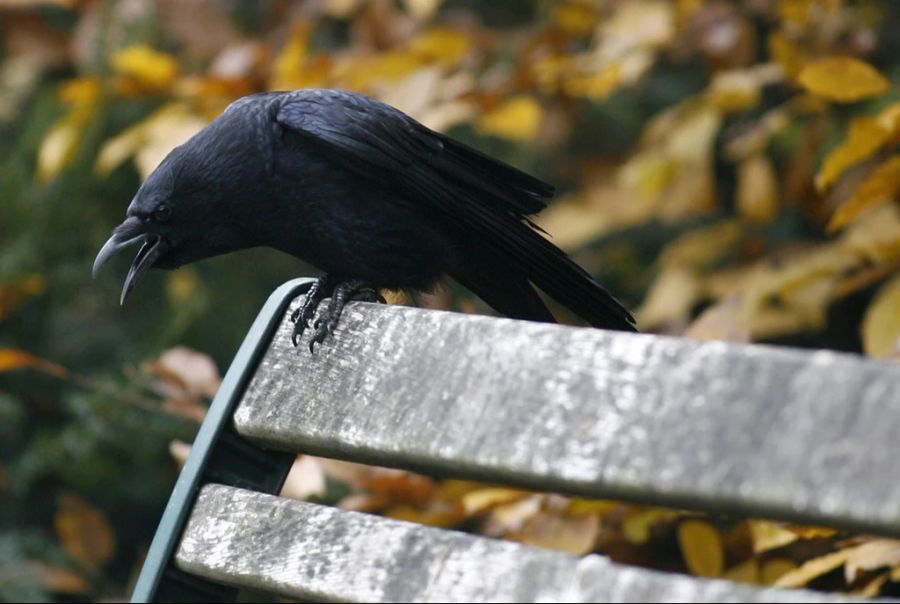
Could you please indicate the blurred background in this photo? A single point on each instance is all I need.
(727, 168)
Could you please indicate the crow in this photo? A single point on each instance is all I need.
(364, 193)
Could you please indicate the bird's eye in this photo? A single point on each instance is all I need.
(162, 213)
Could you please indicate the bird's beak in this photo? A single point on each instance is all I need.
(129, 232)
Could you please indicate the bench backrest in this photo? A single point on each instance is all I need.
(753, 430)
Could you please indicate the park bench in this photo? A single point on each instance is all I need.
(738, 429)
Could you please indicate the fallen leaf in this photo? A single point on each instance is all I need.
(179, 450)
(881, 323)
(745, 572)
(843, 79)
(192, 370)
(306, 479)
(15, 358)
(517, 119)
(670, 298)
(879, 553)
(15, 293)
(812, 569)
(882, 184)
(84, 531)
(572, 534)
(481, 500)
(865, 136)
(757, 193)
(772, 570)
(145, 66)
(722, 322)
(701, 546)
(57, 579)
(769, 535)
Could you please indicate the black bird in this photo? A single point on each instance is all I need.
(364, 192)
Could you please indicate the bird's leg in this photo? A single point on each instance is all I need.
(345, 291)
(301, 317)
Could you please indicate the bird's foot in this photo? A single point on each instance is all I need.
(304, 313)
(341, 293)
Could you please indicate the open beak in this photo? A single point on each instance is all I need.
(126, 234)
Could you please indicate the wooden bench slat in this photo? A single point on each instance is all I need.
(756, 430)
(302, 550)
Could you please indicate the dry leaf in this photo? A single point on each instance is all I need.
(768, 535)
(757, 195)
(14, 293)
(637, 526)
(306, 479)
(57, 579)
(701, 546)
(180, 451)
(670, 299)
(84, 531)
(194, 371)
(812, 569)
(745, 572)
(882, 184)
(843, 79)
(865, 136)
(573, 534)
(879, 553)
(516, 119)
(772, 570)
(146, 67)
(881, 324)
(14, 358)
(481, 500)
(722, 321)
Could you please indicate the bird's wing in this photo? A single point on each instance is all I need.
(445, 178)
(378, 141)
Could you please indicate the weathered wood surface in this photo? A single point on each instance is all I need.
(316, 553)
(754, 430)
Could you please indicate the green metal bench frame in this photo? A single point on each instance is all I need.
(221, 456)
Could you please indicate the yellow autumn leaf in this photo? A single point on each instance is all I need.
(812, 569)
(595, 86)
(880, 185)
(745, 572)
(881, 324)
(485, 499)
(422, 10)
(670, 298)
(572, 534)
(865, 136)
(768, 535)
(889, 119)
(843, 79)
(636, 528)
(84, 531)
(15, 358)
(289, 62)
(701, 546)
(575, 17)
(148, 67)
(441, 45)
(58, 147)
(772, 570)
(149, 140)
(757, 192)
(872, 555)
(518, 119)
(787, 53)
(14, 293)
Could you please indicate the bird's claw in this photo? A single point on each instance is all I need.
(325, 325)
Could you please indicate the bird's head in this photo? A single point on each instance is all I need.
(176, 218)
